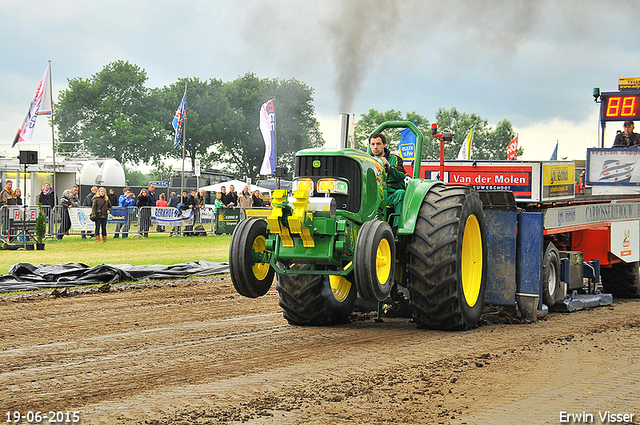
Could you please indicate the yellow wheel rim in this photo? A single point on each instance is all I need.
(340, 287)
(471, 261)
(260, 270)
(383, 261)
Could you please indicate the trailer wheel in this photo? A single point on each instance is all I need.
(315, 300)
(448, 260)
(621, 280)
(551, 275)
(374, 260)
(250, 277)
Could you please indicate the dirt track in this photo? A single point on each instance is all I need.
(195, 352)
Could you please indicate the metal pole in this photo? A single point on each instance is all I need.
(184, 128)
(53, 139)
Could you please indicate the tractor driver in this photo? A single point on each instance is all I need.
(395, 172)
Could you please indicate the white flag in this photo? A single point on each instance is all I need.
(40, 105)
(268, 129)
(465, 149)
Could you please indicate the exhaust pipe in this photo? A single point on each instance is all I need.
(343, 130)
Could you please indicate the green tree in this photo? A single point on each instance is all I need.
(488, 144)
(110, 114)
(371, 120)
(296, 125)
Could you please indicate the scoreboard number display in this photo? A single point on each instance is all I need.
(620, 106)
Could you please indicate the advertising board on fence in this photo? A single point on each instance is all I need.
(80, 219)
(167, 216)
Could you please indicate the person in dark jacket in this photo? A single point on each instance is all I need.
(112, 197)
(144, 214)
(173, 203)
(100, 209)
(47, 200)
(88, 202)
(257, 199)
(192, 204)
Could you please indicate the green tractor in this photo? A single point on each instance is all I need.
(333, 240)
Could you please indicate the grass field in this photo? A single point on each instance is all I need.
(156, 249)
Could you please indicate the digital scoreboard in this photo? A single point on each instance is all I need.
(620, 106)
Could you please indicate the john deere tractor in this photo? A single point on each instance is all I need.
(332, 240)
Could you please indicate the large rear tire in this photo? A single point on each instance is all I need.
(621, 280)
(315, 300)
(251, 278)
(448, 259)
(374, 260)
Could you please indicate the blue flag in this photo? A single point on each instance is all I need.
(554, 155)
(178, 119)
(407, 145)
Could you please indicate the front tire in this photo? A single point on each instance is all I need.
(251, 278)
(315, 300)
(448, 259)
(374, 260)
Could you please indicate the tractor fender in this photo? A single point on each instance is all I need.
(414, 194)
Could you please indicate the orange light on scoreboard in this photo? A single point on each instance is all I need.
(620, 107)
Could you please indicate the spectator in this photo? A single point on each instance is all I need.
(128, 203)
(191, 204)
(113, 198)
(217, 204)
(153, 201)
(100, 211)
(18, 196)
(65, 220)
(244, 201)
(88, 202)
(74, 199)
(119, 225)
(257, 199)
(46, 197)
(200, 200)
(161, 202)
(173, 203)
(232, 197)
(7, 197)
(151, 194)
(47, 200)
(144, 213)
(223, 190)
(173, 200)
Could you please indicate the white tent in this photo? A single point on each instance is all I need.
(238, 186)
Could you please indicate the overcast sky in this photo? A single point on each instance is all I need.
(534, 63)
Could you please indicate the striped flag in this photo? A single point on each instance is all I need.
(268, 130)
(40, 105)
(178, 119)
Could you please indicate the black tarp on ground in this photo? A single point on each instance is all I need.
(27, 277)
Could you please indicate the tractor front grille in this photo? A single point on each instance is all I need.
(334, 166)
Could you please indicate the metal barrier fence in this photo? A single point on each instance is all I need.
(14, 226)
(126, 222)
(123, 221)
